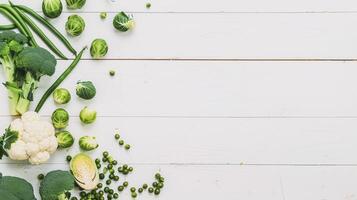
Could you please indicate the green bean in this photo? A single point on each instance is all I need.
(48, 25)
(41, 34)
(21, 23)
(7, 27)
(14, 20)
(59, 80)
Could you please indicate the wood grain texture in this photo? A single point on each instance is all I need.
(219, 141)
(224, 36)
(211, 6)
(230, 182)
(211, 89)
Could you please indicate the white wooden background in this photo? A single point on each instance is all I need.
(229, 99)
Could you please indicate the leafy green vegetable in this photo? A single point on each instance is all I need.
(75, 4)
(75, 25)
(15, 188)
(6, 140)
(85, 90)
(122, 22)
(52, 8)
(98, 48)
(55, 184)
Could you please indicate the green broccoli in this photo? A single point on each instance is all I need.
(56, 184)
(32, 63)
(11, 44)
(23, 67)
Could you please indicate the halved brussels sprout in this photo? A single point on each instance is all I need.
(52, 8)
(75, 4)
(61, 96)
(88, 143)
(122, 22)
(75, 25)
(85, 90)
(84, 171)
(60, 118)
(64, 139)
(98, 48)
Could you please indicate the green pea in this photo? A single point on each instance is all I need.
(120, 169)
(99, 166)
(69, 158)
(117, 136)
(105, 154)
(151, 190)
(110, 196)
(145, 186)
(116, 178)
(41, 177)
(101, 193)
(131, 169)
(134, 195)
(154, 184)
(82, 194)
(114, 162)
(110, 166)
(125, 183)
(132, 189)
(140, 190)
(120, 188)
(97, 161)
(108, 182)
(99, 185)
(125, 166)
(111, 191)
(127, 146)
(116, 195)
(160, 185)
(162, 179)
(157, 176)
(101, 176)
(121, 142)
(106, 189)
(157, 191)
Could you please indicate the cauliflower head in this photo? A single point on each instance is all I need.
(36, 139)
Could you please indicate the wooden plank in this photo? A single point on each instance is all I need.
(225, 36)
(210, 6)
(213, 89)
(230, 182)
(219, 141)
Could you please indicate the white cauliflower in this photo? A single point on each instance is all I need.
(36, 139)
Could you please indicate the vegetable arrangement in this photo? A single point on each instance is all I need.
(31, 138)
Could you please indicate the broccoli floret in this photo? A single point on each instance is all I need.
(33, 62)
(55, 184)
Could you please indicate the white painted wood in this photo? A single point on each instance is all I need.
(220, 141)
(211, 6)
(215, 89)
(225, 36)
(231, 182)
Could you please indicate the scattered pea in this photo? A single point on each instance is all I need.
(134, 195)
(132, 189)
(127, 146)
(151, 190)
(116, 136)
(148, 5)
(69, 158)
(121, 142)
(145, 186)
(103, 15)
(140, 190)
(108, 182)
(157, 191)
(120, 188)
(41, 177)
(125, 183)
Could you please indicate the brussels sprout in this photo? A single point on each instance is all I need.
(75, 4)
(88, 143)
(75, 25)
(98, 48)
(85, 172)
(87, 115)
(64, 139)
(85, 90)
(60, 118)
(122, 22)
(61, 96)
(52, 8)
